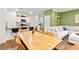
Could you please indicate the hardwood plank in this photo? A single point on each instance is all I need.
(74, 47)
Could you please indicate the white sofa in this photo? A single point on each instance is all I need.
(73, 29)
(73, 38)
(58, 32)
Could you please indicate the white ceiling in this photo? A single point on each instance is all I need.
(64, 9)
(36, 11)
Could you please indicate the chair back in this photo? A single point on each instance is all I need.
(49, 33)
(15, 30)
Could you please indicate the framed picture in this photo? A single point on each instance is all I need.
(77, 18)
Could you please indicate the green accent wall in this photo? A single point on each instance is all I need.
(54, 21)
(68, 18)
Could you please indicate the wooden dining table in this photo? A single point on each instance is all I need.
(38, 41)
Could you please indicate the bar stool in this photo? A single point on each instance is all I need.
(31, 29)
(14, 32)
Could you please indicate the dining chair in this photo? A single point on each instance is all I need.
(49, 33)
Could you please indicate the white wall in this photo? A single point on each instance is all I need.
(2, 24)
(34, 20)
(10, 17)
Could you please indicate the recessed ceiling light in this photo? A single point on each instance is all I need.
(30, 12)
(16, 9)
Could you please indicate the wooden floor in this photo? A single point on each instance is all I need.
(8, 45)
(64, 44)
(11, 45)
